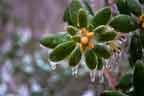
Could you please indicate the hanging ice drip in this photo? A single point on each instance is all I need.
(75, 71)
(51, 64)
(101, 76)
(93, 75)
(119, 48)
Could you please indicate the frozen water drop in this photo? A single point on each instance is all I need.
(75, 71)
(52, 65)
(108, 66)
(42, 46)
(101, 77)
(92, 76)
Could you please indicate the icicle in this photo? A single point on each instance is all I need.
(92, 75)
(101, 77)
(52, 65)
(42, 46)
(108, 63)
(83, 63)
(75, 71)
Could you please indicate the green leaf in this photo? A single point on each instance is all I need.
(76, 38)
(71, 13)
(104, 33)
(135, 49)
(83, 18)
(100, 29)
(75, 57)
(90, 28)
(72, 30)
(122, 7)
(113, 93)
(107, 36)
(134, 7)
(91, 59)
(126, 81)
(102, 16)
(102, 50)
(62, 51)
(141, 1)
(88, 6)
(90, 19)
(100, 63)
(52, 41)
(67, 16)
(142, 37)
(139, 78)
(123, 23)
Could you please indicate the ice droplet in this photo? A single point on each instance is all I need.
(75, 71)
(92, 75)
(101, 77)
(42, 46)
(52, 65)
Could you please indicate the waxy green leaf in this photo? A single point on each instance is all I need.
(71, 13)
(102, 50)
(123, 23)
(62, 51)
(102, 16)
(91, 59)
(134, 7)
(82, 18)
(75, 57)
(52, 41)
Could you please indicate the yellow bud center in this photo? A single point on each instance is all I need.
(141, 21)
(141, 18)
(90, 45)
(84, 40)
(83, 31)
(89, 34)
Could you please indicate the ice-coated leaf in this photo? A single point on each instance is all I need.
(90, 27)
(102, 16)
(102, 50)
(62, 51)
(126, 81)
(135, 49)
(122, 7)
(123, 23)
(100, 29)
(72, 30)
(139, 78)
(82, 18)
(75, 57)
(76, 38)
(52, 41)
(88, 6)
(70, 14)
(100, 63)
(107, 36)
(134, 7)
(91, 59)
